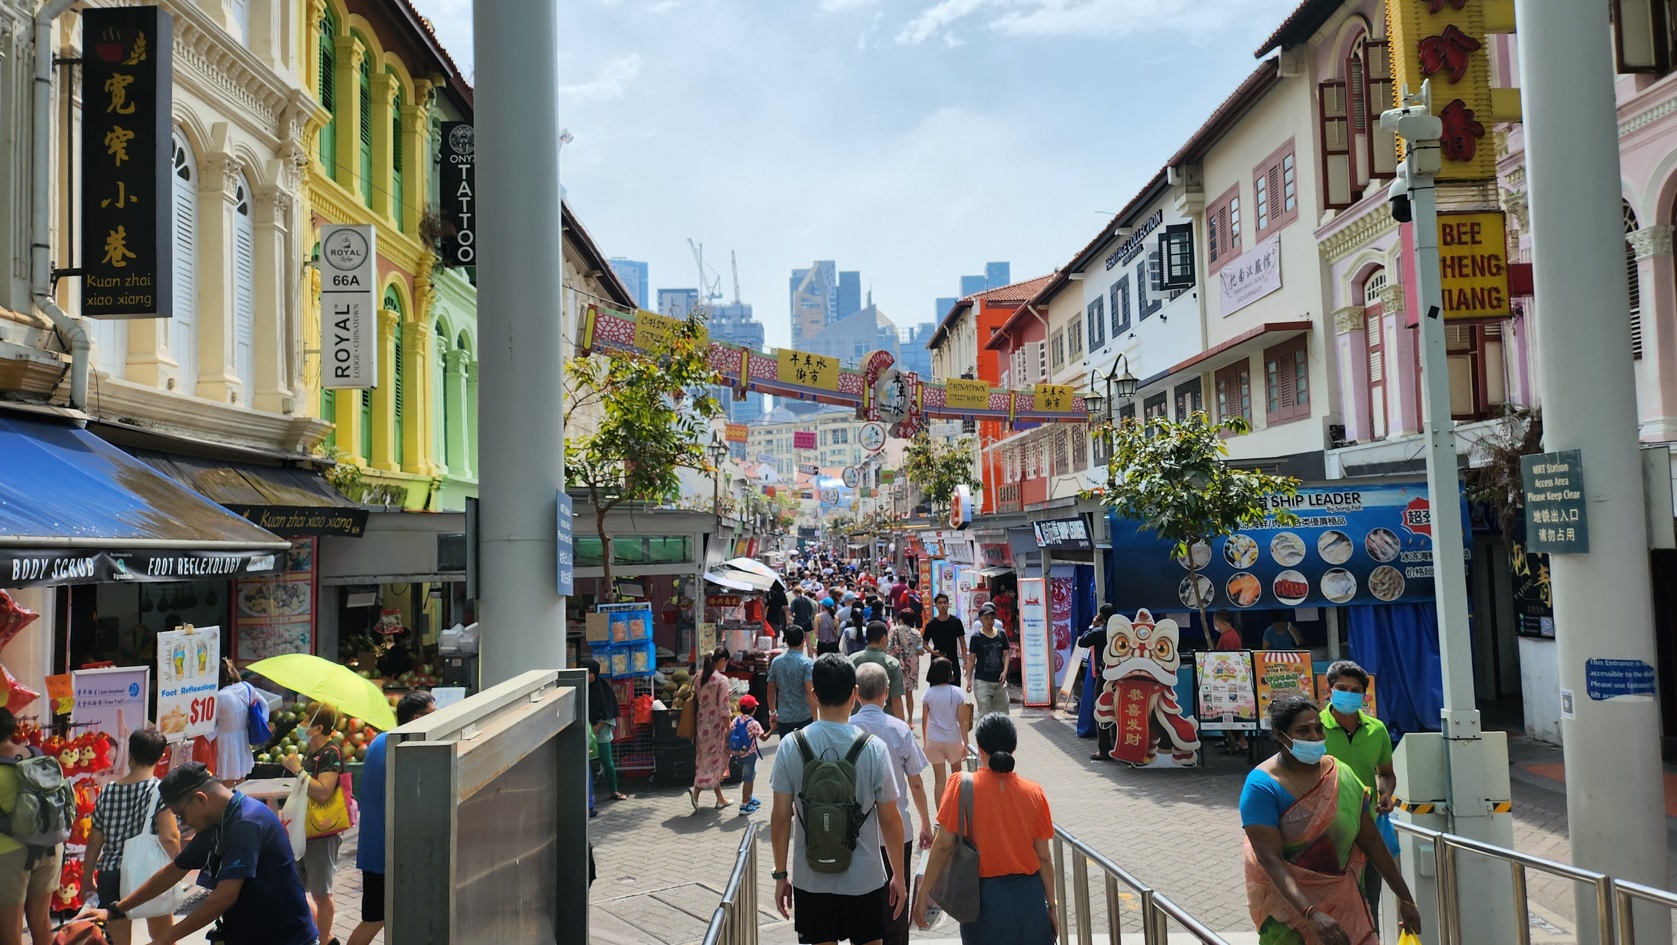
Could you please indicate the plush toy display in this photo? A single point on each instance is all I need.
(1139, 698)
(68, 898)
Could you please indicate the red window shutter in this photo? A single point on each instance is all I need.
(1276, 207)
(1382, 145)
(1355, 77)
(1336, 144)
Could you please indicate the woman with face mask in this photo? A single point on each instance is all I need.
(1309, 829)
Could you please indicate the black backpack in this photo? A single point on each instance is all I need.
(832, 818)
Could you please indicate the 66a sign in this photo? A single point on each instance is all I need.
(348, 306)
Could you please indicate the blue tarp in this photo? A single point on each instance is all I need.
(1398, 643)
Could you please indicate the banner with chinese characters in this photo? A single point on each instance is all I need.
(802, 369)
(1053, 398)
(276, 614)
(1448, 42)
(966, 395)
(188, 675)
(653, 332)
(804, 440)
(737, 433)
(127, 228)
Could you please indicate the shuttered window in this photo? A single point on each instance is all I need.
(329, 413)
(244, 290)
(1633, 282)
(1234, 391)
(396, 163)
(1190, 399)
(1059, 350)
(1156, 407)
(1377, 92)
(1074, 339)
(366, 93)
(393, 303)
(1374, 335)
(183, 325)
(1275, 191)
(327, 54)
(1338, 167)
(366, 424)
(1120, 306)
(1097, 323)
(1176, 246)
(1222, 229)
(1286, 382)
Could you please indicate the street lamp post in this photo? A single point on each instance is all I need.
(1103, 408)
(718, 452)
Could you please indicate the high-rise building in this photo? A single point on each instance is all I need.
(997, 274)
(911, 347)
(849, 340)
(849, 294)
(943, 307)
(814, 299)
(633, 272)
(677, 303)
(972, 285)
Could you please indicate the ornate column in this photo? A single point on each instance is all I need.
(1656, 375)
(416, 155)
(471, 436)
(271, 342)
(349, 426)
(384, 396)
(218, 177)
(1351, 338)
(385, 89)
(422, 372)
(347, 109)
(416, 374)
(1403, 377)
(454, 414)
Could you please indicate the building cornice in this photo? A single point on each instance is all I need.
(1372, 224)
(1631, 121)
(330, 200)
(148, 408)
(246, 91)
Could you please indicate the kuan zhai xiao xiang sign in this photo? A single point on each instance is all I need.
(126, 246)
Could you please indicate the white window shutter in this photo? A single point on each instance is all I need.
(183, 327)
(244, 292)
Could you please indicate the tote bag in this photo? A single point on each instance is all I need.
(956, 890)
(142, 856)
(294, 815)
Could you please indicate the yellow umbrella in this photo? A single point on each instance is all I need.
(326, 681)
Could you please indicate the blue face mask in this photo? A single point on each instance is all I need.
(1308, 753)
(1347, 703)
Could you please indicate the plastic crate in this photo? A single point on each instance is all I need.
(673, 765)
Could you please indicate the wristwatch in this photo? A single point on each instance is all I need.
(778, 875)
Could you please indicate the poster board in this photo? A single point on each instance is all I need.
(1280, 674)
(1322, 690)
(275, 614)
(1073, 675)
(1036, 644)
(111, 700)
(188, 675)
(1225, 697)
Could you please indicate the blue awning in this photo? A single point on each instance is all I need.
(77, 510)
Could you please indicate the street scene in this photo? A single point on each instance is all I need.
(1210, 482)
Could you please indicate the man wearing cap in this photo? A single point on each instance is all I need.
(244, 859)
(987, 659)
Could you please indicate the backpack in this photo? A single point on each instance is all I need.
(257, 730)
(832, 818)
(739, 736)
(46, 803)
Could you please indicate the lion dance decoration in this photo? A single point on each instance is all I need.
(1139, 698)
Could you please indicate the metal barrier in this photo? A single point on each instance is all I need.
(1624, 893)
(1157, 910)
(735, 920)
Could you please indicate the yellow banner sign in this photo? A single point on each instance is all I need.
(962, 394)
(1473, 259)
(737, 433)
(1054, 398)
(655, 332)
(1448, 42)
(807, 370)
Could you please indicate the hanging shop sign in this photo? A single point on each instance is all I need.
(1556, 520)
(1063, 534)
(126, 213)
(871, 436)
(458, 188)
(1447, 42)
(1251, 276)
(852, 477)
(1473, 263)
(960, 507)
(1367, 544)
(305, 520)
(657, 333)
(802, 369)
(25, 568)
(565, 556)
(1053, 398)
(188, 675)
(963, 394)
(1534, 603)
(348, 306)
(1035, 643)
(803, 439)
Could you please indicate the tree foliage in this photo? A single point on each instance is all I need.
(653, 413)
(936, 468)
(1175, 479)
(1497, 481)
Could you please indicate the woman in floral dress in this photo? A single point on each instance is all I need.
(906, 644)
(710, 740)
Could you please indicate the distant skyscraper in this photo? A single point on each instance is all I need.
(997, 274)
(634, 275)
(677, 303)
(733, 322)
(912, 354)
(972, 285)
(814, 299)
(849, 294)
(849, 340)
(943, 307)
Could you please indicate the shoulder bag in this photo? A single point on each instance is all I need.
(956, 890)
(142, 856)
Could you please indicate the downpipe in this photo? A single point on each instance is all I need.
(70, 329)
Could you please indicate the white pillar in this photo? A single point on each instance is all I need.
(520, 273)
(1614, 800)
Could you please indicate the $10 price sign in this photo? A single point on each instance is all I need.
(188, 675)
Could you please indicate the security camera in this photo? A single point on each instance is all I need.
(1412, 123)
(1398, 196)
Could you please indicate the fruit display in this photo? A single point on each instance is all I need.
(290, 725)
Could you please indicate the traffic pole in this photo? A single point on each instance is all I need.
(521, 433)
(1602, 599)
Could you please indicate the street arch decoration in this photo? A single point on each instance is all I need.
(877, 390)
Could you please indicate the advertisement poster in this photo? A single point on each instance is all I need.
(1368, 544)
(275, 614)
(926, 588)
(1062, 584)
(188, 675)
(1280, 674)
(112, 701)
(966, 582)
(1036, 651)
(1227, 700)
(945, 581)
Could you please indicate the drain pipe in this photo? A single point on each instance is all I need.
(69, 328)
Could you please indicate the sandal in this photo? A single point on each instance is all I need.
(693, 796)
(723, 803)
(619, 796)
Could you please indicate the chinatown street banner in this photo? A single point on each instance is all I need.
(188, 675)
(24, 568)
(1353, 544)
(1062, 588)
(1228, 702)
(111, 700)
(1036, 653)
(877, 390)
(1281, 674)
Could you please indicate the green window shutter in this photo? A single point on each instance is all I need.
(366, 449)
(329, 413)
(366, 134)
(396, 391)
(329, 94)
(396, 163)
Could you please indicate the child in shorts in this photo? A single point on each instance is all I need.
(747, 731)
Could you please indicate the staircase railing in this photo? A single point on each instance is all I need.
(1077, 918)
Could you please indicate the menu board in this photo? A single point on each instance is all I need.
(1226, 701)
(1357, 544)
(1281, 674)
(275, 614)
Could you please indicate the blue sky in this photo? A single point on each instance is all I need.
(913, 140)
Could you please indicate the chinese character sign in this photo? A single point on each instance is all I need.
(188, 674)
(802, 369)
(113, 701)
(1054, 398)
(1445, 41)
(126, 236)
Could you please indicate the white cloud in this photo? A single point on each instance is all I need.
(610, 82)
(1083, 17)
(931, 21)
(839, 6)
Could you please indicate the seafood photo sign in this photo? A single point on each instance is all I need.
(1355, 543)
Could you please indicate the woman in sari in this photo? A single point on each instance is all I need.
(1308, 833)
(710, 741)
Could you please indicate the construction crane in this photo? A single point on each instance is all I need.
(709, 289)
(735, 259)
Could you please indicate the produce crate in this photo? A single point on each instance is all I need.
(664, 722)
(673, 765)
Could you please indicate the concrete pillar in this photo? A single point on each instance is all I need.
(384, 396)
(271, 344)
(471, 416)
(454, 414)
(520, 274)
(1658, 282)
(1352, 339)
(1614, 797)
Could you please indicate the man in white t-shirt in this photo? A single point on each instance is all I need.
(873, 689)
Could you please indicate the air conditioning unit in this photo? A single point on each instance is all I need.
(1336, 435)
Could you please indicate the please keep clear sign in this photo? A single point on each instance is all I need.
(1556, 519)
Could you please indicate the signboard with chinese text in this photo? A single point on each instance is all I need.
(1036, 649)
(803, 439)
(1446, 41)
(127, 223)
(1053, 397)
(458, 189)
(1251, 276)
(802, 369)
(1473, 262)
(111, 700)
(565, 557)
(348, 306)
(961, 394)
(1063, 534)
(1557, 521)
(188, 675)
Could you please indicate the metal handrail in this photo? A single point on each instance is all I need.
(1445, 847)
(1624, 892)
(1157, 911)
(735, 920)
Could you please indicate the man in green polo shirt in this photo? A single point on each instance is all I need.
(1361, 741)
(875, 653)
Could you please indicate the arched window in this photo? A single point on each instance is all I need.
(366, 93)
(439, 397)
(1374, 324)
(244, 289)
(393, 302)
(1633, 282)
(183, 325)
(396, 161)
(329, 93)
